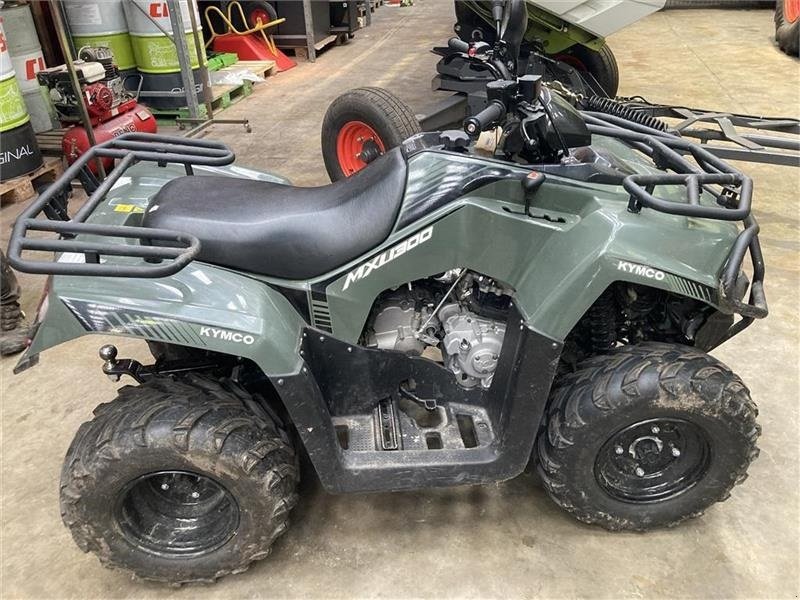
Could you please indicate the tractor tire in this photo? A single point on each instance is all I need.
(601, 64)
(179, 481)
(646, 437)
(787, 26)
(361, 125)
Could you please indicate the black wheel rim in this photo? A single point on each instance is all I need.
(653, 460)
(177, 513)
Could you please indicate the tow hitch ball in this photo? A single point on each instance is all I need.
(115, 369)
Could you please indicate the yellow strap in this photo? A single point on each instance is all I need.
(228, 19)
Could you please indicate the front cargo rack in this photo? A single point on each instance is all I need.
(732, 190)
(162, 252)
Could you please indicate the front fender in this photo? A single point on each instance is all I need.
(676, 254)
(580, 241)
(202, 307)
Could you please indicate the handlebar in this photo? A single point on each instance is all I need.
(457, 44)
(482, 121)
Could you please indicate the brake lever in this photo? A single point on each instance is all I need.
(428, 404)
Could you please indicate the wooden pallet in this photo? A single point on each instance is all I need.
(50, 142)
(264, 68)
(23, 188)
(222, 96)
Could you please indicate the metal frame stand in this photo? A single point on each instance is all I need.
(308, 20)
(733, 136)
(201, 124)
(66, 48)
(187, 76)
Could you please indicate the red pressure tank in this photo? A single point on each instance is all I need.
(75, 141)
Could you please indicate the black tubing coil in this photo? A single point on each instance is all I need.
(617, 109)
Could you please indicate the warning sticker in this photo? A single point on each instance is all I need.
(128, 208)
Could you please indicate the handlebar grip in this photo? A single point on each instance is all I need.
(457, 44)
(485, 119)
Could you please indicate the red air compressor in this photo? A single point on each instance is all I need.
(112, 108)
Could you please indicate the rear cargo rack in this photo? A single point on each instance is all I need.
(732, 189)
(173, 250)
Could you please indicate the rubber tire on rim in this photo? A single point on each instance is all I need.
(381, 110)
(787, 34)
(633, 384)
(254, 5)
(194, 424)
(602, 64)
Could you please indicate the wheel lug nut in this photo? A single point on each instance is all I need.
(655, 429)
(619, 450)
(639, 472)
(676, 453)
(165, 486)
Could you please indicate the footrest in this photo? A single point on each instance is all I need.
(404, 426)
(387, 425)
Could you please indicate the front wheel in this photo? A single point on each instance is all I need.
(179, 481)
(646, 437)
(361, 125)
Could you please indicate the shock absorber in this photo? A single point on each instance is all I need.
(617, 109)
(602, 323)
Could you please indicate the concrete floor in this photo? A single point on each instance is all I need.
(504, 540)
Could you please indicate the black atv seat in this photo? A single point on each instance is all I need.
(280, 230)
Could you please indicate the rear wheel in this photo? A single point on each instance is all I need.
(646, 437)
(600, 64)
(361, 125)
(179, 481)
(787, 26)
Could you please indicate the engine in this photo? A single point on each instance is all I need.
(471, 345)
(113, 110)
(103, 87)
(458, 319)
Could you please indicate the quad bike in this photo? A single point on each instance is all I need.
(363, 124)
(435, 320)
(440, 318)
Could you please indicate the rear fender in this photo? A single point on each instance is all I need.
(201, 307)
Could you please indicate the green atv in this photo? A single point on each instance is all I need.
(443, 317)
